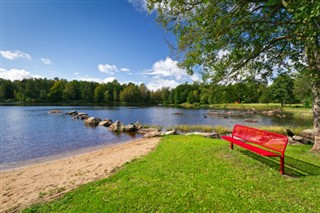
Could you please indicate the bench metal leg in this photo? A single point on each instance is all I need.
(281, 165)
(231, 145)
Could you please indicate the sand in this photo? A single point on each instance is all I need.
(21, 187)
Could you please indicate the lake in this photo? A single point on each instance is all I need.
(30, 133)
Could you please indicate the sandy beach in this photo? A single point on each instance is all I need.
(21, 187)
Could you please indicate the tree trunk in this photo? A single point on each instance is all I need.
(316, 114)
(313, 55)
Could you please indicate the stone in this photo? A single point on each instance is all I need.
(105, 122)
(308, 133)
(55, 111)
(138, 125)
(144, 131)
(205, 134)
(251, 120)
(117, 126)
(81, 116)
(276, 112)
(84, 117)
(172, 132)
(73, 113)
(152, 134)
(289, 133)
(92, 121)
(301, 139)
(130, 128)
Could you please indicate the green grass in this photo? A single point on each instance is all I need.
(282, 129)
(295, 110)
(257, 106)
(195, 174)
(201, 128)
(299, 112)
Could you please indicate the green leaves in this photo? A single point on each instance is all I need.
(249, 30)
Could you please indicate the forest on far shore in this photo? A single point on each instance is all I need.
(284, 89)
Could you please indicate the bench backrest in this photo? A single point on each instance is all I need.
(270, 140)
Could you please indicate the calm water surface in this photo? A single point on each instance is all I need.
(30, 133)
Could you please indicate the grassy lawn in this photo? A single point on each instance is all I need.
(295, 109)
(195, 174)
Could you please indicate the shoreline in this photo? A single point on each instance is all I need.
(43, 181)
(41, 160)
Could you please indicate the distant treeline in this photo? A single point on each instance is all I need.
(284, 90)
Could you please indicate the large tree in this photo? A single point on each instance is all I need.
(228, 39)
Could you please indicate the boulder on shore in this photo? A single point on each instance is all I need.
(149, 132)
(289, 133)
(308, 133)
(205, 134)
(92, 121)
(152, 134)
(300, 139)
(172, 132)
(144, 131)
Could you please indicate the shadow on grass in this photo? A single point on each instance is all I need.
(293, 167)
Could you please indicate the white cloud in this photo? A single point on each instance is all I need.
(195, 78)
(13, 55)
(46, 61)
(76, 73)
(98, 80)
(111, 69)
(222, 53)
(167, 68)
(108, 69)
(125, 70)
(16, 74)
(110, 79)
(161, 83)
(140, 5)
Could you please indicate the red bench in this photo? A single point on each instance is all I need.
(261, 142)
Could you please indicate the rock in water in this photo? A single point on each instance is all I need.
(105, 122)
(73, 113)
(92, 121)
(130, 128)
(138, 125)
(55, 111)
(117, 126)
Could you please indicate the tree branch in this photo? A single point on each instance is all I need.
(258, 51)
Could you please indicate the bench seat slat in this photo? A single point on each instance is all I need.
(251, 147)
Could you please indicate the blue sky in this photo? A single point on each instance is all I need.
(99, 40)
